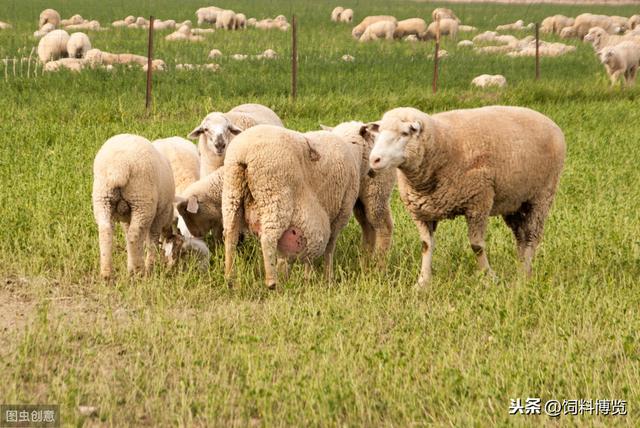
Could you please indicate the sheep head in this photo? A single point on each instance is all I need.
(215, 132)
(392, 134)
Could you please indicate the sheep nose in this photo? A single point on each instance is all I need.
(375, 161)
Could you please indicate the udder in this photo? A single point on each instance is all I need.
(292, 242)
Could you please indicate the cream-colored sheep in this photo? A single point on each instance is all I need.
(226, 20)
(412, 38)
(215, 53)
(6, 26)
(486, 80)
(207, 14)
(518, 26)
(568, 33)
(251, 22)
(46, 29)
(379, 30)
(465, 44)
(584, 22)
(335, 13)
(268, 54)
(599, 38)
(544, 50)
(444, 13)
(53, 45)
(201, 31)
(156, 65)
(96, 57)
(445, 170)
(623, 60)
(466, 28)
(74, 20)
(347, 16)
(554, 24)
(241, 21)
(133, 184)
(89, 25)
(184, 33)
(169, 24)
(200, 206)
(239, 57)
(448, 27)
(78, 45)
(359, 29)
(347, 58)
(414, 26)
(72, 64)
(295, 191)
(634, 21)
(49, 15)
(217, 130)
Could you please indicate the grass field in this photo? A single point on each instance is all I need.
(180, 348)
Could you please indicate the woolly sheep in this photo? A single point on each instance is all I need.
(251, 22)
(335, 13)
(156, 65)
(280, 18)
(411, 26)
(622, 59)
(448, 27)
(544, 50)
(90, 25)
(133, 184)
(74, 20)
(5, 26)
(46, 28)
(207, 14)
(346, 16)
(202, 31)
(465, 44)
(599, 38)
(181, 247)
(518, 25)
(347, 58)
(78, 45)
(53, 46)
(183, 157)
(268, 54)
(444, 13)
(295, 191)
(411, 38)
(584, 22)
(555, 24)
(359, 29)
(200, 206)
(226, 20)
(215, 53)
(466, 28)
(95, 57)
(217, 130)
(567, 33)
(379, 30)
(49, 15)
(241, 21)
(444, 171)
(634, 21)
(239, 57)
(119, 23)
(486, 80)
(72, 64)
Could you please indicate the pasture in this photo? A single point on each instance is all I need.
(180, 348)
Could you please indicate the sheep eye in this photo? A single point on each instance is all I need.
(405, 134)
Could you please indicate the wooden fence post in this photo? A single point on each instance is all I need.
(537, 51)
(149, 63)
(434, 84)
(294, 57)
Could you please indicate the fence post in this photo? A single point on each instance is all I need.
(537, 51)
(149, 63)
(294, 57)
(434, 84)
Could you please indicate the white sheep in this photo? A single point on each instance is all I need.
(411, 38)
(359, 29)
(584, 22)
(200, 206)
(239, 57)
(133, 184)
(49, 15)
(445, 170)
(74, 20)
(555, 24)
(6, 26)
(466, 28)
(622, 59)
(207, 14)
(72, 64)
(379, 30)
(89, 25)
(347, 58)
(215, 53)
(156, 65)
(411, 26)
(226, 20)
(634, 21)
(251, 22)
(241, 21)
(53, 45)
(485, 80)
(46, 28)
(448, 27)
(268, 54)
(599, 38)
(518, 25)
(217, 130)
(78, 45)
(465, 44)
(335, 13)
(444, 13)
(346, 16)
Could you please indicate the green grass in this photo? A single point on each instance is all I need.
(179, 348)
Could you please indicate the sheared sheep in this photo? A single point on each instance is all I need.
(478, 162)
(359, 29)
(379, 30)
(133, 184)
(217, 130)
(622, 59)
(53, 45)
(49, 15)
(78, 45)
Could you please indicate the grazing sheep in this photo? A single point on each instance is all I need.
(568, 33)
(226, 20)
(466, 28)
(379, 30)
(74, 20)
(622, 59)
(251, 22)
(46, 29)
(485, 80)
(584, 22)
(215, 53)
(202, 30)
(133, 184)
(159, 25)
(554, 24)
(207, 14)
(335, 13)
(446, 170)
(49, 16)
(268, 54)
(6, 26)
(53, 46)
(200, 206)
(599, 38)
(448, 27)
(347, 58)
(465, 44)
(346, 16)
(184, 33)
(444, 13)
(217, 130)
(411, 26)
(95, 57)
(89, 25)
(241, 21)
(411, 38)
(239, 57)
(518, 25)
(78, 45)
(359, 29)
(71, 64)
(156, 65)
(295, 191)
(545, 49)
(119, 23)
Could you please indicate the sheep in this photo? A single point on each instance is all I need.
(78, 45)
(544, 49)
(346, 16)
(75, 19)
(71, 64)
(179, 247)
(268, 54)
(584, 22)
(241, 21)
(445, 170)
(184, 33)
(485, 80)
(411, 38)
(359, 29)
(634, 21)
(119, 23)
(465, 44)
(335, 13)
(49, 15)
(90, 25)
(46, 28)
(133, 184)
(411, 26)
(215, 53)
(448, 27)
(156, 65)
(466, 28)
(170, 24)
(226, 20)
(554, 24)
(6, 26)
(444, 13)
(251, 22)
(295, 191)
(239, 57)
(518, 25)
(95, 57)
(347, 58)
(200, 206)
(568, 33)
(217, 130)
(208, 14)
(379, 30)
(202, 31)
(53, 46)
(599, 38)
(280, 18)
(622, 59)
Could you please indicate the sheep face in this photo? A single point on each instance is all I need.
(215, 133)
(594, 36)
(390, 142)
(199, 218)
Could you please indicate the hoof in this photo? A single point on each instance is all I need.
(271, 285)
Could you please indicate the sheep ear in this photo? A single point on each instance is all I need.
(415, 128)
(192, 205)
(372, 127)
(234, 129)
(365, 134)
(195, 134)
(326, 128)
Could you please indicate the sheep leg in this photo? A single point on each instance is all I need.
(152, 245)
(269, 244)
(105, 236)
(515, 221)
(284, 267)
(633, 71)
(135, 246)
(477, 226)
(426, 230)
(328, 255)
(533, 228)
(368, 232)
(615, 76)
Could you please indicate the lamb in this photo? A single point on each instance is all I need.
(226, 20)
(335, 13)
(72, 64)
(485, 80)
(133, 184)
(53, 46)
(208, 14)
(554, 24)
(444, 13)
(599, 38)
(622, 59)
(346, 16)
(411, 26)
(241, 21)
(448, 27)
(445, 170)
(216, 131)
(156, 65)
(78, 45)
(296, 191)
(359, 29)
(46, 29)
(379, 30)
(49, 16)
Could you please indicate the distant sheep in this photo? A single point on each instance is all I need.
(226, 20)
(465, 44)
(88, 25)
(46, 28)
(346, 16)
(215, 53)
(444, 13)
(74, 20)
(241, 21)
(208, 15)
(53, 46)
(486, 80)
(518, 26)
(379, 30)
(335, 13)
(49, 16)
(411, 26)
(347, 58)
(623, 60)
(448, 27)
(359, 29)
(5, 26)
(78, 45)
(599, 38)
(554, 24)
(268, 54)
(466, 28)
(71, 64)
